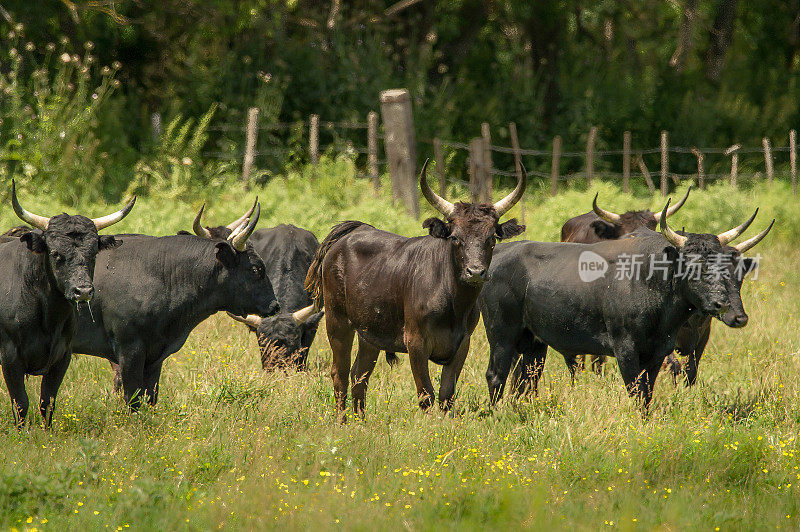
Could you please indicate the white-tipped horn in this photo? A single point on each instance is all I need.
(608, 216)
(505, 204)
(111, 219)
(741, 247)
(672, 210)
(674, 238)
(238, 238)
(39, 222)
(253, 320)
(248, 214)
(198, 228)
(303, 314)
(732, 234)
(438, 202)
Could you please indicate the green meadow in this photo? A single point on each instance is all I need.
(230, 446)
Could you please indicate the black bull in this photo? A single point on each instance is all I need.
(535, 298)
(44, 274)
(408, 295)
(152, 292)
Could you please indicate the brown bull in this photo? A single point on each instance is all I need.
(407, 295)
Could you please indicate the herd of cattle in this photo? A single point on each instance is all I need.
(134, 299)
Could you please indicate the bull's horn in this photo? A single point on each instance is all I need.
(438, 202)
(303, 314)
(610, 217)
(674, 238)
(252, 320)
(505, 204)
(111, 219)
(198, 228)
(734, 233)
(238, 239)
(40, 222)
(672, 210)
(741, 247)
(248, 214)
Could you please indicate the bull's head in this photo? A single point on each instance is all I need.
(472, 229)
(284, 339)
(716, 291)
(71, 244)
(615, 225)
(244, 277)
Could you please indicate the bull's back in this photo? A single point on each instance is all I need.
(287, 252)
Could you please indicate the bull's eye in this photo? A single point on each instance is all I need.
(455, 240)
(57, 257)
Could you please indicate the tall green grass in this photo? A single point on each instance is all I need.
(230, 446)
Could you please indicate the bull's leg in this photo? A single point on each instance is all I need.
(14, 375)
(450, 374)
(632, 374)
(501, 357)
(132, 370)
(116, 380)
(581, 362)
(392, 359)
(692, 365)
(533, 359)
(152, 374)
(418, 360)
(673, 365)
(362, 368)
(51, 382)
(650, 382)
(597, 364)
(572, 365)
(340, 337)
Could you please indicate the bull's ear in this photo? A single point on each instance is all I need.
(35, 242)
(226, 254)
(313, 320)
(748, 264)
(437, 227)
(509, 229)
(605, 230)
(108, 242)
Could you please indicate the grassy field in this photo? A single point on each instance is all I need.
(229, 446)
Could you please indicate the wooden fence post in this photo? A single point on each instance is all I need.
(476, 171)
(793, 159)
(645, 173)
(155, 124)
(701, 172)
(626, 162)
(313, 138)
(439, 159)
(664, 162)
(768, 159)
(554, 168)
(372, 149)
(250, 142)
(733, 151)
(512, 131)
(488, 181)
(401, 152)
(590, 155)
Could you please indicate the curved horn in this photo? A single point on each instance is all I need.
(252, 320)
(40, 222)
(734, 233)
(111, 219)
(674, 238)
(238, 239)
(248, 214)
(303, 314)
(672, 210)
(608, 216)
(198, 228)
(438, 202)
(505, 204)
(741, 247)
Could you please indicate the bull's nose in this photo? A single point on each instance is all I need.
(740, 321)
(82, 293)
(477, 272)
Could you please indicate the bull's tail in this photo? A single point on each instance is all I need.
(314, 277)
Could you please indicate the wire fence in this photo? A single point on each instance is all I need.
(270, 146)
